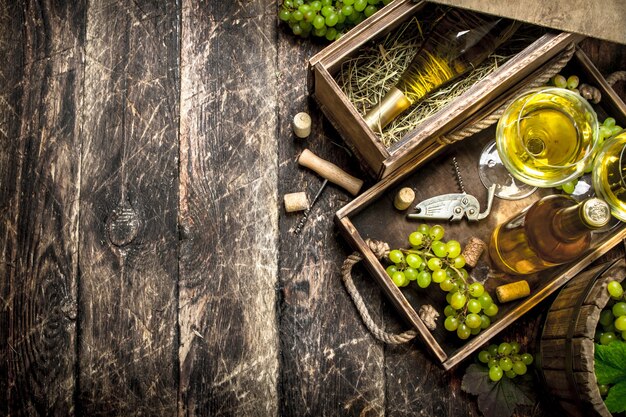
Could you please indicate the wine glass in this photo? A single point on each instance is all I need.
(609, 174)
(545, 138)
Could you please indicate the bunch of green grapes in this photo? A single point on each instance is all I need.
(505, 359)
(326, 18)
(430, 259)
(571, 82)
(613, 318)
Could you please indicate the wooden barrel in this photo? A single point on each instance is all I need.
(566, 348)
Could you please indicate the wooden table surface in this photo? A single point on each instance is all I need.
(148, 267)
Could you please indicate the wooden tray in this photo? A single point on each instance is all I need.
(375, 158)
(372, 215)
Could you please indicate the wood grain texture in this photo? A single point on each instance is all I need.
(41, 110)
(228, 209)
(129, 210)
(603, 19)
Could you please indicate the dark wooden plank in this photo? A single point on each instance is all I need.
(228, 209)
(129, 206)
(330, 363)
(40, 102)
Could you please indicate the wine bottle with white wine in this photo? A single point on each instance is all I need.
(458, 42)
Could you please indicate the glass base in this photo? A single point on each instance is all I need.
(492, 171)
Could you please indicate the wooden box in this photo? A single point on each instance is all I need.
(381, 161)
(373, 216)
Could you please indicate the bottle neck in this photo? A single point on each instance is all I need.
(572, 222)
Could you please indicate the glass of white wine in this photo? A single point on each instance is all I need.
(609, 174)
(545, 138)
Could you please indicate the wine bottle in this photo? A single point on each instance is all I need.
(553, 231)
(458, 42)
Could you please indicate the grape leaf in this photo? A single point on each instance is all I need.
(610, 362)
(498, 399)
(615, 400)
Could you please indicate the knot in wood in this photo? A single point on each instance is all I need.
(380, 249)
(123, 224)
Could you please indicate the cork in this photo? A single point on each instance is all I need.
(473, 249)
(404, 198)
(296, 202)
(302, 125)
(512, 291)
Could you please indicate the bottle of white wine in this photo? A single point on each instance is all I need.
(553, 231)
(458, 42)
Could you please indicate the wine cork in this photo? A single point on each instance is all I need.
(296, 202)
(473, 249)
(513, 291)
(404, 198)
(302, 125)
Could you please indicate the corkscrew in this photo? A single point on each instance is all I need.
(453, 207)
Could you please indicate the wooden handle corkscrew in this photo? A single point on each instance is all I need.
(330, 171)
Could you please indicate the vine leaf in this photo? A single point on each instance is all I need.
(498, 399)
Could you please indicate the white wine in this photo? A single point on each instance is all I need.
(547, 136)
(609, 174)
(459, 41)
(554, 230)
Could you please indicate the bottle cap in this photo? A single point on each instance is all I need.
(595, 212)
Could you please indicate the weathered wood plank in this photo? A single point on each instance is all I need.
(129, 207)
(228, 209)
(40, 111)
(330, 364)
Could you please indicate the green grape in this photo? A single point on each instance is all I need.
(485, 321)
(527, 358)
(413, 260)
(464, 273)
(451, 323)
(484, 356)
(434, 264)
(476, 289)
(360, 5)
(332, 19)
(504, 348)
(572, 82)
(439, 249)
(492, 362)
(439, 276)
(495, 373)
(305, 8)
(348, 2)
(458, 301)
(607, 338)
(326, 3)
(506, 364)
(391, 269)
(609, 122)
(475, 331)
(597, 335)
(473, 306)
(491, 311)
(510, 374)
(620, 323)
(316, 5)
(619, 309)
(449, 297)
(436, 232)
(463, 331)
(396, 256)
(447, 285)
(284, 15)
(423, 228)
(449, 311)
(288, 4)
(604, 389)
(416, 239)
(615, 130)
(386, 2)
(493, 350)
(609, 328)
(454, 248)
(485, 300)
(306, 26)
(309, 16)
(473, 321)
(606, 318)
(319, 22)
(327, 10)
(409, 272)
(296, 29)
(515, 347)
(370, 10)
(615, 289)
(423, 279)
(519, 367)
(374, 2)
(569, 186)
(347, 10)
(605, 131)
(459, 261)
(298, 3)
(297, 15)
(399, 279)
(559, 81)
